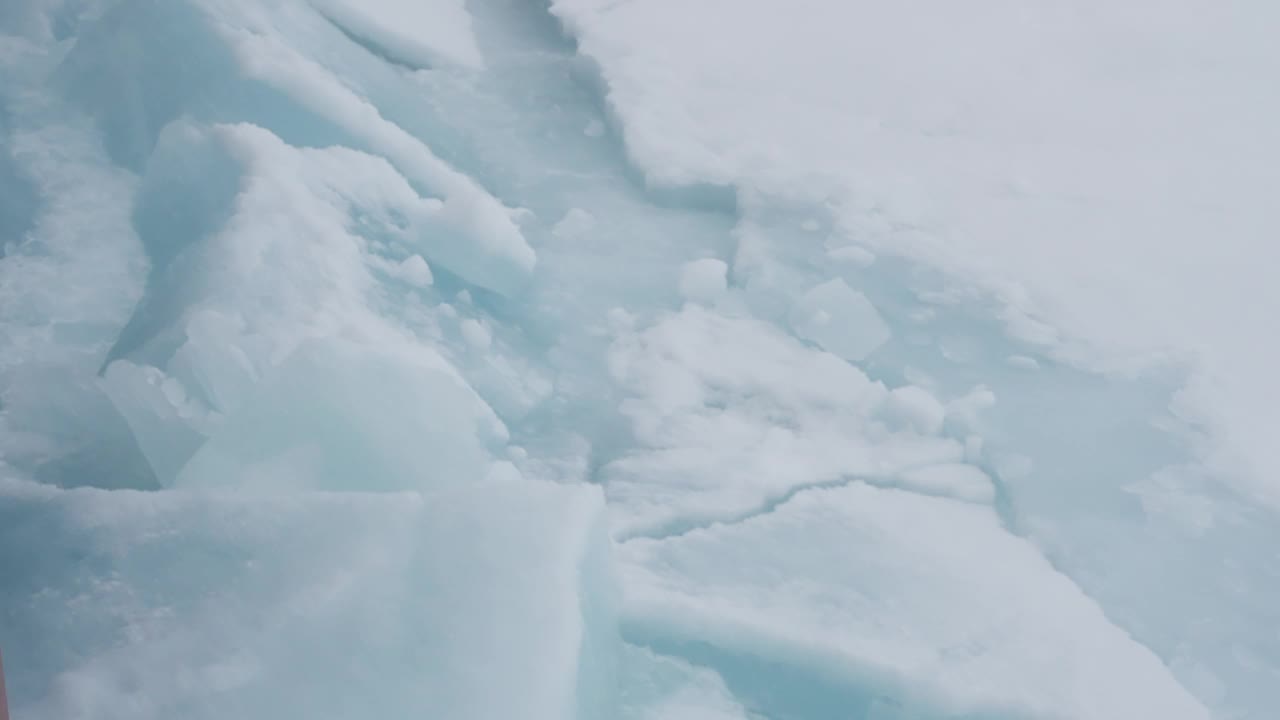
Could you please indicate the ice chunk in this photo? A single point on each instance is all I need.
(853, 254)
(916, 407)
(348, 417)
(656, 687)
(840, 320)
(419, 34)
(476, 334)
(963, 413)
(168, 427)
(137, 606)
(576, 223)
(415, 271)
(474, 234)
(957, 480)
(1023, 362)
(890, 597)
(703, 280)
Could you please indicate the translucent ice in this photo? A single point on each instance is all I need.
(132, 605)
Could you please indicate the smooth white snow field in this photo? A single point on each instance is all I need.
(640, 359)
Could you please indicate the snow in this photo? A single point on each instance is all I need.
(588, 359)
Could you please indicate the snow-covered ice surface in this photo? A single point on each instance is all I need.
(643, 360)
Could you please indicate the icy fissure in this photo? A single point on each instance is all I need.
(392, 359)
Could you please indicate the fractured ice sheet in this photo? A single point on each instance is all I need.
(730, 415)
(410, 245)
(969, 139)
(176, 604)
(889, 599)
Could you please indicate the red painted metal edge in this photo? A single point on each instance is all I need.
(4, 701)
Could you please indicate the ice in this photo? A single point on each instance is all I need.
(248, 64)
(475, 333)
(957, 480)
(1113, 207)
(731, 415)
(839, 319)
(852, 253)
(889, 601)
(1024, 362)
(415, 271)
(417, 33)
(914, 406)
(71, 269)
(345, 417)
(666, 688)
(703, 280)
(889, 336)
(177, 604)
(232, 340)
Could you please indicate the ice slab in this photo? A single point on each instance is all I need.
(179, 604)
(340, 416)
(890, 600)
